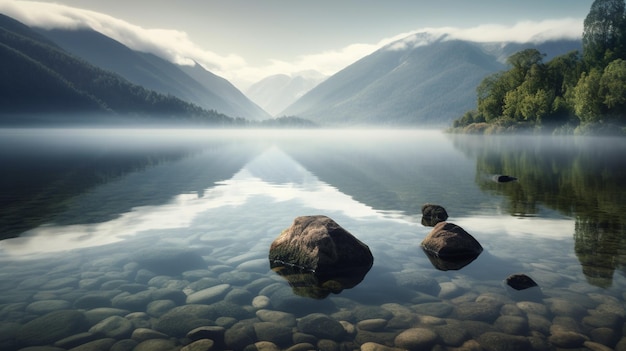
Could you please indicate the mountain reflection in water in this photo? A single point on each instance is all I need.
(88, 225)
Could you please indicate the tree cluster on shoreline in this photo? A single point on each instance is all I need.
(570, 94)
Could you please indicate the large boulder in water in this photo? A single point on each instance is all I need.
(448, 240)
(318, 244)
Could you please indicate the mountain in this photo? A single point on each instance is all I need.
(27, 85)
(190, 83)
(276, 92)
(40, 78)
(419, 80)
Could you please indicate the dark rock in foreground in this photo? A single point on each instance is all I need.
(318, 244)
(433, 214)
(448, 240)
(318, 257)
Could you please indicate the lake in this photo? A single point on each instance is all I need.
(158, 239)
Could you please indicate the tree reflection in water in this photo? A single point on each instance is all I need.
(580, 177)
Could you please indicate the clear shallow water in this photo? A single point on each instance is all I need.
(101, 212)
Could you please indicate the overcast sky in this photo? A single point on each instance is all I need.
(245, 40)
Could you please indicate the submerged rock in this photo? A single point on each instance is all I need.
(433, 214)
(51, 327)
(499, 178)
(449, 241)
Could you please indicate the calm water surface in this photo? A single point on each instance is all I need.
(115, 222)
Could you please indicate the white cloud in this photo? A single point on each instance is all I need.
(173, 45)
(176, 46)
(521, 32)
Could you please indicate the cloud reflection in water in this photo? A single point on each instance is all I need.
(272, 174)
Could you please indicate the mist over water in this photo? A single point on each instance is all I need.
(111, 203)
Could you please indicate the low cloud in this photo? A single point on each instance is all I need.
(175, 45)
(521, 32)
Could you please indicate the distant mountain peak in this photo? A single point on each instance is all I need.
(415, 40)
(274, 93)
(424, 79)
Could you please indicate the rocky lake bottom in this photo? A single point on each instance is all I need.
(210, 288)
(141, 241)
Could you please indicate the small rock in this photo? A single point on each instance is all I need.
(437, 309)
(156, 345)
(76, 340)
(51, 327)
(59, 283)
(113, 327)
(240, 335)
(208, 295)
(180, 320)
(281, 318)
(452, 334)
(449, 290)
(200, 345)
(132, 302)
(267, 331)
(418, 281)
(433, 214)
(567, 339)
(260, 301)
(263, 346)
(160, 307)
(92, 300)
(143, 334)
(479, 311)
(322, 326)
(376, 324)
(500, 178)
(523, 288)
(416, 339)
(494, 341)
(98, 314)
(514, 325)
(96, 345)
(124, 345)
(372, 346)
(448, 240)
(239, 296)
(533, 308)
(301, 347)
(594, 346)
(215, 333)
(46, 306)
(564, 307)
(327, 345)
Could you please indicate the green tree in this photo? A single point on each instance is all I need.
(613, 88)
(491, 93)
(587, 100)
(522, 62)
(604, 34)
